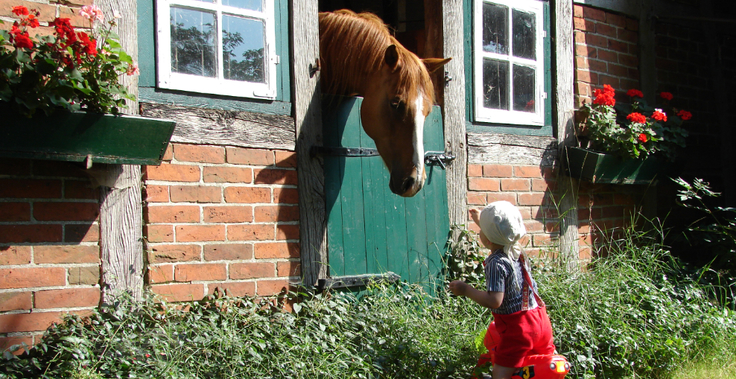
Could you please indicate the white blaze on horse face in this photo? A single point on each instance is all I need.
(418, 138)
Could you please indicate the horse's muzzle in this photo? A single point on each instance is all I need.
(405, 186)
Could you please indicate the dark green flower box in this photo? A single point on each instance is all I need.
(597, 167)
(84, 137)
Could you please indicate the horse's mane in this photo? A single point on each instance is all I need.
(352, 47)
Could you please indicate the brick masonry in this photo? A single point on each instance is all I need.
(49, 253)
(221, 217)
(606, 52)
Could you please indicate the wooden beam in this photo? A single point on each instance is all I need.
(121, 211)
(564, 104)
(486, 148)
(308, 119)
(445, 38)
(647, 52)
(221, 127)
(721, 95)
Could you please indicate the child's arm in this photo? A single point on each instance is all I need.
(488, 299)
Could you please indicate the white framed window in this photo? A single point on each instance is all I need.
(508, 59)
(224, 47)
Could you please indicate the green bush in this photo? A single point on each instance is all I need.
(636, 313)
(391, 332)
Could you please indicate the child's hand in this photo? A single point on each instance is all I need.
(458, 287)
(475, 215)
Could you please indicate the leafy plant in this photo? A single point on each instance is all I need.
(637, 312)
(634, 130)
(392, 331)
(68, 70)
(464, 258)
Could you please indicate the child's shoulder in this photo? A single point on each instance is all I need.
(498, 256)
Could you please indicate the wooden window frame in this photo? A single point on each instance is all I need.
(509, 117)
(168, 79)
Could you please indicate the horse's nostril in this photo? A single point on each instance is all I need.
(408, 184)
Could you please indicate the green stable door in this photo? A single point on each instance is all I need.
(370, 230)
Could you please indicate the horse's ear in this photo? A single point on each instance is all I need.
(391, 56)
(433, 64)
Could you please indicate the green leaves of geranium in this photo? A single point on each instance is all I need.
(64, 71)
(634, 130)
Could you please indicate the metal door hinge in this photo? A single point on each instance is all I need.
(343, 151)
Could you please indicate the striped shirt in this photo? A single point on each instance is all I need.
(501, 277)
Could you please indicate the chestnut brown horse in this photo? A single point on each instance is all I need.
(358, 56)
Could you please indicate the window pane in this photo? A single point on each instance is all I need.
(255, 5)
(495, 28)
(495, 84)
(524, 30)
(243, 45)
(193, 39)
(524, 89)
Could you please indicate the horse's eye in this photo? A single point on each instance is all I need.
(397, 104)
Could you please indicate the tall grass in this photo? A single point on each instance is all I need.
(637, 313)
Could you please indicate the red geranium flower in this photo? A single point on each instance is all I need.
(634, 93)
(642, 138)
(684, 115)
(22, 40)
(637, 117)
(659, 115)
(32, 21)
(666, 95)
(605, 96)
(89, 44)
(20, 10)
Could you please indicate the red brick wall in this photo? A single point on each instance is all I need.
(684, 69)
(606, 52)
(530, 188)
(224, 217)
(49, 254)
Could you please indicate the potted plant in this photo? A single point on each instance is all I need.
(625, 143)
(60, 95)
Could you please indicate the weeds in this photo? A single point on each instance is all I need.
(637, 313)
(391, 332)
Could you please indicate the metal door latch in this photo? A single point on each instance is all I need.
(438, 158)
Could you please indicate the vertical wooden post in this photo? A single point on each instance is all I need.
(308, 118)
(454, 109)
(565, 103)
(121, 213)
(445, 38)
(721, 94)
(647, 52)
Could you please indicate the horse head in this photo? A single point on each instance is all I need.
(359, 56)
(396, 103)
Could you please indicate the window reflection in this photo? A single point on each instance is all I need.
(193, 42)
(495, 84)
(243, 46)
(255, 5)
(524, 89)
(495, 29)
(524, 30)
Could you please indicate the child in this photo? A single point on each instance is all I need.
(518, 311)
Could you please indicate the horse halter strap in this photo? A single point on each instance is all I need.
(525, 306)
